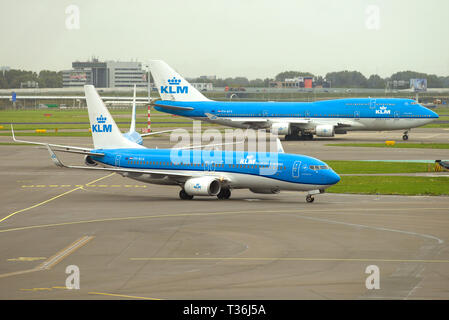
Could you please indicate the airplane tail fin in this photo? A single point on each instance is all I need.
(171, 85)
(105, 133)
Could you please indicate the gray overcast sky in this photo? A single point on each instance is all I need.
(253, 38)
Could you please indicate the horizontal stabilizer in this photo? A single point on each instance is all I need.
(61, 148)
(173, 107)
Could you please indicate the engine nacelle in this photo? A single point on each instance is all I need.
(281, 128)
(204, 186)
(324, 130)
(89, 161)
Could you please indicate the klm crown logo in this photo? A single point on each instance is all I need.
(101, 119)
(197, 186)
(174, 87)
(174, 81)
(101, 126)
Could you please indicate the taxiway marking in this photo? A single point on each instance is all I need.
(287, 259)
(280, 211)
(53, 198)
(79, 186)
(55, 259)
(122, 295)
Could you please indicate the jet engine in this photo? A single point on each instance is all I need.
(89, 162)
(281, 128)
(204, 186)
(324, 130)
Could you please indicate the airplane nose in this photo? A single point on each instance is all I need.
(434, 114)
(333, 178)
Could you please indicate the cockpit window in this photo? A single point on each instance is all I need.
(318, 167)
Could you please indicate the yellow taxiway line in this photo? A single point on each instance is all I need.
(54, 198)
(287, 259)
(200, 214)
(122, 296)
(55, 259)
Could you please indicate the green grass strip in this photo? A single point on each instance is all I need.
(394, 185)
(397, 145)
(366, 167)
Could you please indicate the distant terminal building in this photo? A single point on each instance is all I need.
(398, 84)
(208, 78)
(203, 86)
(109, 74)
(300, 82)
(29, 84)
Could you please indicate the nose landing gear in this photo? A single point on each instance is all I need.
(405, 136)
(311, 193)
(310, 198)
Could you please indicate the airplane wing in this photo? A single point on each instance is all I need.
(264, 123)
(156, 132)
(177, 176)
(209, 145)
(61, 148)
(309, 122)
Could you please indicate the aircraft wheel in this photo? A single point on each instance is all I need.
(224, 194)
(309, 198)
(184, 196)
(405, 137)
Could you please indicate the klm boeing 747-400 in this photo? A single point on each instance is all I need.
(197, 172)
(293, 119)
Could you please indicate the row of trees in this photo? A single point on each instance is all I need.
(341, 79)
(14, 78)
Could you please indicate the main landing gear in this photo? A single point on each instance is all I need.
(405, 136)
(224, 194)
(297, 136)
(184, 196)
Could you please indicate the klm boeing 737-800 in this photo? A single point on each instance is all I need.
(197, 172)
(292, 119)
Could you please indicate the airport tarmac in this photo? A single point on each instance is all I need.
(136, 241)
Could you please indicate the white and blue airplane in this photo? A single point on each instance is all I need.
(295, 120)
(194, 173)
(132, 134)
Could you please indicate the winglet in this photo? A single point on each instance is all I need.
(54, 158)
(12, 133)
(279, 146)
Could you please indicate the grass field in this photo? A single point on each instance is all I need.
(63, 119)
(367, 167)
(397, 145)
(396, 185)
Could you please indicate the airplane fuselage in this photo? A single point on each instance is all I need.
(270, 172)
(345, 114)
